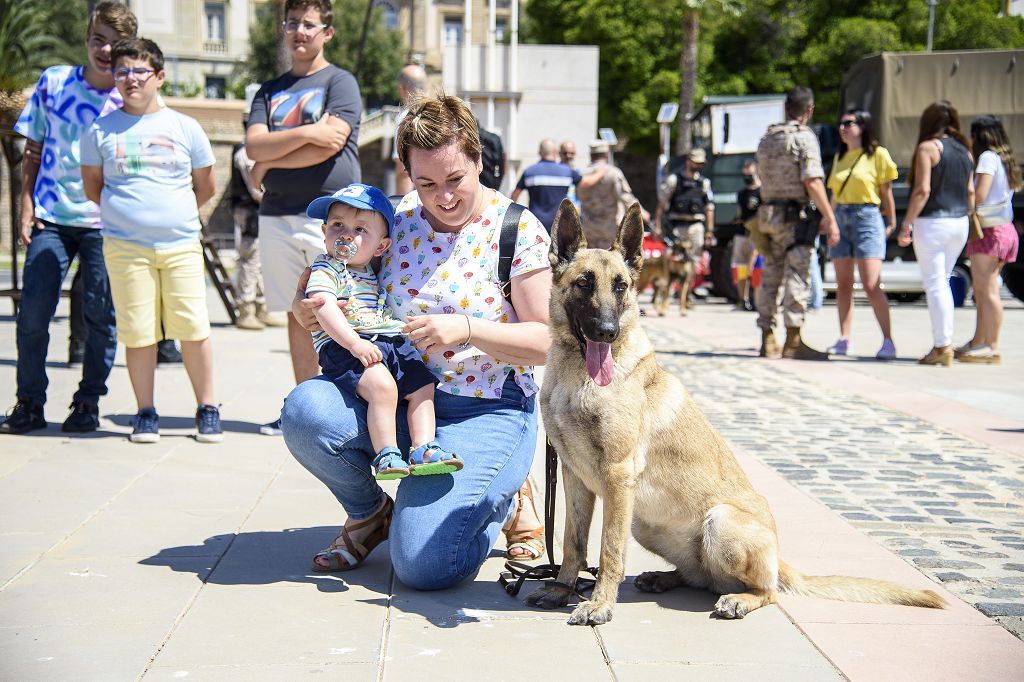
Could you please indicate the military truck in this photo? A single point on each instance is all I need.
(728, 128)
(897, 86)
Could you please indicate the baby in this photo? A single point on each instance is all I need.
(361, 347)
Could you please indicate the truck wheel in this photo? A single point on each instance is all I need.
(1013, 278)
(721, 271)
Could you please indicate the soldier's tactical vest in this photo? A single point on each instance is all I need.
(689, 198)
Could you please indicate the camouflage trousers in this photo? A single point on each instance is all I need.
(599, 233)
(787, 268)
(692, 236)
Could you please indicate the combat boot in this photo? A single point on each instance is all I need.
(247, 317)
(769, 346)
(796, 349)
(268, 318)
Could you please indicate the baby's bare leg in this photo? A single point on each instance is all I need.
(377, 387)
(422, 426)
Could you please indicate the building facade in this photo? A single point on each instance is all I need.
(205, 42)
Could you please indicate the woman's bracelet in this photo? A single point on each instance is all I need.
(469, 334)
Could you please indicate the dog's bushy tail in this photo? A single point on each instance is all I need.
(848, 588)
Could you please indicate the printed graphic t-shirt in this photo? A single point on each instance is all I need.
(62, 106)
(869, 174)
(290, 101)
(147, 175)
(426, 272)
(358, 294)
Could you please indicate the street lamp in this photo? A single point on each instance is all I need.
(931, 21)
(666, 115)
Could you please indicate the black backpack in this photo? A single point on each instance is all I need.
(493, 159)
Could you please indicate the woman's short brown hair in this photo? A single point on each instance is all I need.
(116, 16)
(435, 122)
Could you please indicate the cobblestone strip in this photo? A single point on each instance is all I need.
(950, 506)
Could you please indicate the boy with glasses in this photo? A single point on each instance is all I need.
(150, 169)
(302, 134)
(59, 222)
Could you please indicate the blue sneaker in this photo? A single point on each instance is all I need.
(887, 351)
(208, 424)
(840, 347)
(146, 426)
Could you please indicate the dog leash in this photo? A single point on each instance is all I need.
(517, 572)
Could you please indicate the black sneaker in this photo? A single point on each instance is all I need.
(146, 426)
(208, 424)
(76, 353)
(168, 352)
(26, 416)
(272, 429)
(83, 418)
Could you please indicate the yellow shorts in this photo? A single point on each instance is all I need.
(158, 293)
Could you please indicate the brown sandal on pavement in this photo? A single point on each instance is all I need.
(531, 541)
(344, 554)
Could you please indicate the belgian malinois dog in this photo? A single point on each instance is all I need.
(626, 430)
(673, 266)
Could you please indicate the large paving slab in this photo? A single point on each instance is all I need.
(191, 561)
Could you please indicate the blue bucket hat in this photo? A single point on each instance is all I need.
(358, 195)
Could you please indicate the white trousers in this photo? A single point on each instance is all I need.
(937, 244)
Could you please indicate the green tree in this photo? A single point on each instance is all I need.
(383, 54)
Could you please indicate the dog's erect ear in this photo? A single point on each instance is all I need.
(630, 239)
(567, 235)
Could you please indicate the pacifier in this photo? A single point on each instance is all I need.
(343, 250)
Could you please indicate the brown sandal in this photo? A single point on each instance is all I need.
(344, 554)
(532, 541)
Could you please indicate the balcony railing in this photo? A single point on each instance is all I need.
(215, 47)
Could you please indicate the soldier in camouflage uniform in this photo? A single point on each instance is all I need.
(791, 173)
(604, 204)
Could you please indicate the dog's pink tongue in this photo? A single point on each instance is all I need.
(599, 362)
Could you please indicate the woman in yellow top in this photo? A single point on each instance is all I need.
(861, 181)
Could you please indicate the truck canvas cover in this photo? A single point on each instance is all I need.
(897, 86)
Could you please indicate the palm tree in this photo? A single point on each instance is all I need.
(26, 47)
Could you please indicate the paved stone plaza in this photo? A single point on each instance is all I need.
(189, 561)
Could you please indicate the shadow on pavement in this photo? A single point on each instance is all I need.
(270, 557)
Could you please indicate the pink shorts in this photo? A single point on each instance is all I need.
(999, 242)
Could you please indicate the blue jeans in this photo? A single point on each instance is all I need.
(46, 264)
(444, 526)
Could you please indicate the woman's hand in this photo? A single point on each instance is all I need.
(433, 332)
(906, 235)
(302, 307)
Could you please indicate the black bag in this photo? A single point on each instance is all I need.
(492, 158)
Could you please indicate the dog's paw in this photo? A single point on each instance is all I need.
(730, 607)
(591, 613)
(549, 597)
(655, 581)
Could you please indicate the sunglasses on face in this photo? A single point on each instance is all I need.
(139, 74)
(847, 123)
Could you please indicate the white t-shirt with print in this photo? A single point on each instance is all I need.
(426, 272)
(997, 203)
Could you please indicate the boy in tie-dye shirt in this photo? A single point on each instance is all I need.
(58, 222)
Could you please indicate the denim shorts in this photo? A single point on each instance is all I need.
(861, 232)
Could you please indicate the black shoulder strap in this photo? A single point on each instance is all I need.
(507, 247)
